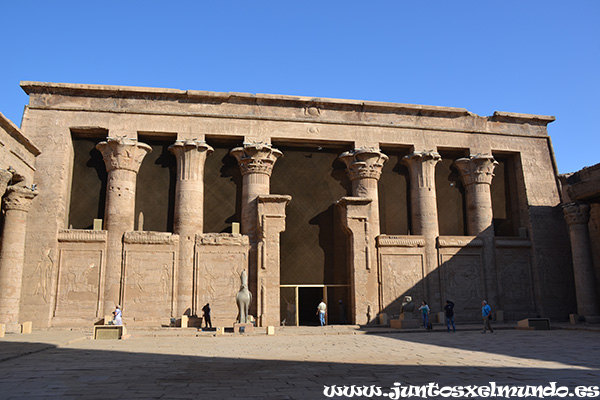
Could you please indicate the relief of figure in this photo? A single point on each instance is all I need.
(43, 271)
(244, 299)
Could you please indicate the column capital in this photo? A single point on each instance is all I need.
(576, 213)
(19, 198)
(476, 169)
(421, 157)
(123, 153)
(256, 158)
(5, 177)
(364, 162)
(190, 155)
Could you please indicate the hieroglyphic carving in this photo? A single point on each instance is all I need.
(222, 239)
(42, 275)
(400, 241)
(515, 282)
(147, 237)
(459, 241)
(81, 235)
(78, 283)
(402, 274)
(462, 282)
(148, 284)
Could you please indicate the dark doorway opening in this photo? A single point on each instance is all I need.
(308, 300)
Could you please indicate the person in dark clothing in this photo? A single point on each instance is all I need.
(449, 308)
(206, 311)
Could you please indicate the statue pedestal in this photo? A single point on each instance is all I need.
(243, 328)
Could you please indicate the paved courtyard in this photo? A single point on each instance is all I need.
(296, 363)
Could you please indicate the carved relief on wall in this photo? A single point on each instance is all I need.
(218, 277)
(515, 281)
(78, 283)
(42, 275)
(402, 275)
(148, 285)
(462, 283)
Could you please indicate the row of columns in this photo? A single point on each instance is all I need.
(16, 202)
(123, 157)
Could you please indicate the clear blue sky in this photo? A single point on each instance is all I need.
(538, 57)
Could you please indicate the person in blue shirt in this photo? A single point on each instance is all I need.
(486, 310)
(425, 310)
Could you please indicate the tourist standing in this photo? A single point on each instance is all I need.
(425, 311)
(449, 308)
(321, 311)
(206, 312)
(486, 312)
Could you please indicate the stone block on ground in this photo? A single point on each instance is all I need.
(26, 327)
(383, 319)
(220, 330)
(499, 316)
(441, 317)
(184, 321)
(405, 324)
(270, 330)
(573, 319)
(109, 331)
(534, 323)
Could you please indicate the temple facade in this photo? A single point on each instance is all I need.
(157, 199)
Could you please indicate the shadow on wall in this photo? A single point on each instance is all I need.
(530, 276)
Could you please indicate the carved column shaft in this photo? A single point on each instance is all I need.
(17, 202)
(189, 213)
(189, 191)
(423, 198)
(577, 217)
(476, 173)
(256, 161)
(123, 157)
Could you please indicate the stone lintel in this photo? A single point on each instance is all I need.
(511, 242)
(222, 239)
(459, 241)
(400, 241)
(149, 237)
(82, 235)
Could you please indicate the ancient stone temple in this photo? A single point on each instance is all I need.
(158, 199)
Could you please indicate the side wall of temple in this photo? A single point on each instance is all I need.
(359, 202)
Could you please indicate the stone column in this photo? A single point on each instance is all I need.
(189, 214)
(476, 173)
(17, 202)
(364, 169)
(271, 222)
(5, 177)
(423, 198)
(424, 218)
(123, 157)
(256, 161)
(577, 217)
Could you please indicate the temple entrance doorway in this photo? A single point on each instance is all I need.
(299, 304)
